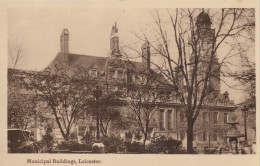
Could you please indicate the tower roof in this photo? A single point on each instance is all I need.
(114, 29)
(203, 18)
(65, 31)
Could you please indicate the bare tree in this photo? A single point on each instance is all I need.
(143, 97)
(246, 77)
(15, 54)
(109, 105)
(22, 106)
(66, 94)
(186, 47)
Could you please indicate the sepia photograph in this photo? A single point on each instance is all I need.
(131, 81)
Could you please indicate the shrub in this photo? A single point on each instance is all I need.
(113, 144)
(75, 146)
(135, 147)
(48, 139)
(88, 140)
(72, 146)
(211, 151)
(64, 145)
(73, 136)
(166, 145)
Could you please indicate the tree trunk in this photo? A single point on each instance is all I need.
(145, 137)
(190, 137)
(66, 137)
(145, 132)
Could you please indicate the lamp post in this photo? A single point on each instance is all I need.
(245, 115)
(98, 146)
(97, 94)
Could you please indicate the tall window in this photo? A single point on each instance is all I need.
(181, 117)
(194, 136)
(225, 118)
(204, 136)
(170, 123)
(204, 46)
(111, 73)
(182, 135)
(166, 95)
(133, 78)
(93, 73)
(215, 136)
(119, 74)
(215, 117)
(161, 119)
(81, 130)
(205, 114)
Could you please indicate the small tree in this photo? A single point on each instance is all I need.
(142, 100)
(246, 77)
(65, 93)
(48, 139)
(108, 105)
(88, 140)
(165, 145)
(22, 107)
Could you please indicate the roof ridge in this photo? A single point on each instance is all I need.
(87, 55)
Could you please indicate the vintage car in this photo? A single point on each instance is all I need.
(20, 141)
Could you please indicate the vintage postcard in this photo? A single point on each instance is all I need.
(129, 83)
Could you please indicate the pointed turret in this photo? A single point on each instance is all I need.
(114, 41)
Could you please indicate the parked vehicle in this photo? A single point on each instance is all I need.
(20, 141)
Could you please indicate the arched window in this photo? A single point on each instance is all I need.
(182, 117)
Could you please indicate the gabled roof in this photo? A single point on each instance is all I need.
(88, 62)
(77, 60)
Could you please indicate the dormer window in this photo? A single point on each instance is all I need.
(119, 74)
(93, 73)
(115, 74)
(144, 79)
(112, 73)
(137, 78)
(133, 78)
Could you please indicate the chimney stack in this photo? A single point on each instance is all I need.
(114, 41)
(64, 44)
(146, 57)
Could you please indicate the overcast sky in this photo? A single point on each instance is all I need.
(38, 32)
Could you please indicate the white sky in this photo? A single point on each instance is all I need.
(38, 31)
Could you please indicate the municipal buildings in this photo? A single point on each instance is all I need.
(169, 119)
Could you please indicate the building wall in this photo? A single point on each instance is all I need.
(206, 129)
(165, 121)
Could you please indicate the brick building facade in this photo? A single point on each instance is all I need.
(169, 119)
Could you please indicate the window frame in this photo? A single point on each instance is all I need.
(161, 120)
(170, 120)
(93, 73)
(204, 136)
(204, 116)
(215, 135)
(215, 118)
(225, 117)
